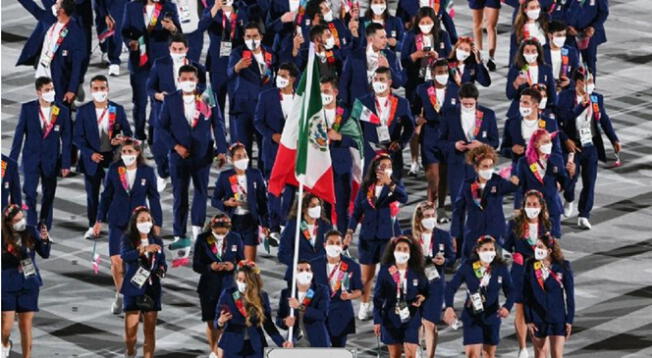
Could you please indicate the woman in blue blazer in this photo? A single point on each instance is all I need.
(407, 10)
(466, 63)
(10, 183)
(438, 252)
(21, 279)
(217, 251)
(522, 233)
(310, 309)
(394, 28)
(542, 170)
(129, 183)
(241, 193)
(376, 208)
(144, 258)
(548, 298)
(485, 275)
(244, 312)
(531, 22)
(341, 275)
(400, 291)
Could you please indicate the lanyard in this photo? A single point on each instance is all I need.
(232, 21)
(42, 116)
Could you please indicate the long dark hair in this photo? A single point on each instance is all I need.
(521, 20)
(551, 243)
(11, 237)
(132, 232)
(519, 60)
(370, 14)
(520, 220)
(427, 11)
(486, 239)
(307, 198)
(416, 261)
(370, 178)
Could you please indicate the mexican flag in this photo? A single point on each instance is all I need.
(352, 129)
(303, 154)
(361, 113)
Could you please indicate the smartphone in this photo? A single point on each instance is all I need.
(427, 49)
(225, 308)
(246, 54)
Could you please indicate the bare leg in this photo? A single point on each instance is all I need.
(410, 350)
(414, 148)
(473, 350)
(432, 176)
(213, 336)
(477, 16)
(557, 346)
(250, 253)
(491, 16)
(368, 272)
(521, 327)
(150, 334)
(117, 272)
(394, 350)
(7, 323)
(25, 326)
(131, 331)
(488, 351)
(431, 335)
(540, 349)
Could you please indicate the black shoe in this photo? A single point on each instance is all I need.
(491, 65)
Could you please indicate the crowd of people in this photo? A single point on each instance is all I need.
(233, 107)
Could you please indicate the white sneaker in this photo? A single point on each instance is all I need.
(90, 234)
(114, 70)
(568, 208)
(365, 311)
(6, 350)
(212, 355)
(176, 238)
(196, 230)
(523, 353)
(414, 168)
(583, 223)
(147, 151)
(116, 306)
(161, 183)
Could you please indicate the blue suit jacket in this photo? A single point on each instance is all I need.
(314, 316)
(513, 135)
(593, 13)
(249, 82)
(10, 183)
(13, 280)
(340, 318)
(377, 222)
(385, 297)
(268, 121)
(430, 130)
(474, 71)
(216, 33)
(133, 261)
(451, 131)
(555, 173)
(549, 305)
(87, 136)
(161, 78)
(256, 194)
(283, 32)
(394, 28)
(409, 46)
(500, 279)
(520, 245)
(407, 10)
(354, 83)
(306, 250)
(117, 203)
(66, 67)
(211, 283)
(573, 59)
(51, 153)
(545, 77)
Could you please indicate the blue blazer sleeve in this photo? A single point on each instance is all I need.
(268, 325)
(154, 199)
(219, 194)
(165, 125)
(605, 122)
(127, 252)
(507, 143)
(79, 135)
(459, 213)
(19, 134)
(493, 138)
(569, 286)
(259, 117)
(453, 285)
(507, 289)
(219, 132)
(105, 198)
(286, 246)
(200, 261)
(40, 246)
(358, 209)
(379, 294)
(152, 80)
(66, 138)
(36, 11)
(318, 310)
(124, 123)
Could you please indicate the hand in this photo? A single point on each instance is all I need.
(474, 144)
(457, 77)
(354, 27)
(182, 151)
(571, 147)
(97, 157)
(476, 53)
(394, 146)
(297, 42)
(417, 55)
(348, 238)
(421, 120)
(377, 330)
(69, 97)
(585, 99)
(571, 31)
(617, 147)
(419, 301)
(449, 316)
(221, 159)
(454, 244)
(225, 316)
(216, 7)
(215, 266)
(382, 61)
(569, 329)
(355, 11)
(228, 266)
(515, 180)
(392, 41)
(570, 166)
(110, 23)
(169, 25)
(383, 177)
(97, 229)
(589, 31)
(294, 303)
(519, 81)
(276, 137)
(531, 328)
(345, 296)
(133, 45)
(518, 149)
(563, 81)
(65, 172)
(44, 232)
(153, 248)
(333, 135)
(503, 312)
(289, 321)
(242, 64)
(117, 140)
(288, 17)
(288, 344)
(157, 230)
(438, 260)
(460, 146)
(231, 202)
(160, 96)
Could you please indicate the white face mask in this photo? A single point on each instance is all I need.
(540, 254)
(378, 9)
(241, 164)
(242, 286)
(487, 256)
(252, 44)
(590, 88)
(304, 278)
(188, 98)
(228, 3)
(429, 223)
(530, 57)
(468, 111)
(543, 103)
(533, 14)
(486, 173)
(314, 212)
(525, 111)
(218, 237)
(20, 226)
(462, 55)
(144, 227)
(389, 172)
(178, 57)
(559, 41)
(48, 96)
(330, 43)
(328, 17)
(333, 250)
(425, 29)
(401, 257)
(532, 213)
(100, 96)
(188, 86)
(327, 99)
(128, 159)
(281, 82)
(546, 148)
(379, 87)
(54, 10)
(442, 79)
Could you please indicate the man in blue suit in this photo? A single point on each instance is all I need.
(10, 183)
(585, 21)
(162, 80)
(330, 56)
(360, 66)
(186, 124)
(108, 15)
(285, 22)
(45, 126)
(56, 48)
(563, 58)
(99, 129)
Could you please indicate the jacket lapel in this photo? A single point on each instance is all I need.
(93, 127)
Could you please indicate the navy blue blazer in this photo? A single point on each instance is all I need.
(341, 149)
(51, 153)
(67, 65)
(314, 316)
(550, 304)
(566, 51)
(431, 308)
(156, 40)
(545, 77)
(249, 82)
(515, 244)
(473, 71)
(451, 131)
(161, 77)
(569, 110)
(211, 283)
(342, 319)
(385, 296)
(354, 83)
(409, 46)
(132, 260)
(377, 222)
(306, 250)
(471, 220)
(326, 68)
(592, 13)
(555, 173)
(13, 279)
(216, 33)
(513, 135)
(500, 279)
(233, 336)
(87, 136)
(118, 203)
(407, 10)
(175, 129)
(256, 194)
(430, 130)
(393, 27)
(10, 182)
(268, 121)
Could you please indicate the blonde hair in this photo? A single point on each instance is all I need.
(417, 216)
(253, 293)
